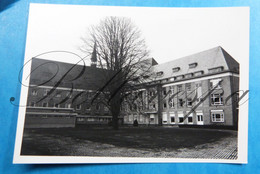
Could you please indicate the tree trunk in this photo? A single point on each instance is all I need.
(115, 122)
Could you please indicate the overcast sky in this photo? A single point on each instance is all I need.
(170, 33)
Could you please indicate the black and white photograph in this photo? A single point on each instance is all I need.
(134, 84)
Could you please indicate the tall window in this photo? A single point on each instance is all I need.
(171, 103)
(189, 102)
(179, 88)
(199, 116)
(78, 107)
(180, 102)
(188, 86)
(164, 105)
(34, 92)
(171, 89)
(180, 116)
(172, 117)
(217, 116)
(190, 119)
(45, 92)
(164, 117)
(216, 99)
(164, 92)
(97, 107)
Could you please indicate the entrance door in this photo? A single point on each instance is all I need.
(199, 118)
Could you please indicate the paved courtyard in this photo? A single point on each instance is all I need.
(132, 142)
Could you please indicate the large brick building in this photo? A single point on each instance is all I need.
(193, 90)
(60, 95)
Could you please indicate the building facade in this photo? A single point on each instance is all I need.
(62, 95)
(200, 89)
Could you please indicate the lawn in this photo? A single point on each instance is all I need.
(62, 141)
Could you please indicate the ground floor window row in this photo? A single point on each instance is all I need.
(97, 107)
(179, 117)
(215, 116)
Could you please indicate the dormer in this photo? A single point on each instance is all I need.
(193, 65)
(176, 69)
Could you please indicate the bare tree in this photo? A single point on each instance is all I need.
(115, 44)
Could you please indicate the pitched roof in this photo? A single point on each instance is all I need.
(202, 61)
(48, 73)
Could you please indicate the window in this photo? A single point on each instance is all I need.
(198, 73)
(179, 77)
(58, 95)
(188, 86)
(97, 106)
(56, 105)
(67, 105)
(217, 116)
(180, 117)
(176, 69)
(145, 76)
(216, 69)
(45, 92)
(44, 104)
(164, 117)
(216, 99)
(190, 119)
(171, 89)
(152, 106)
(172, 79)
(199, 93)
(34, 92)
(159, 74)
(216, 83)
(179, 88)
(188, 75)
(171, 103)
(151, 93)
(164, 105)
(32, 104)
(199, 115)
(80, 119)
(152, 118)
(105, 108)
(189, 102)
(69, 94)
(180, 103)
(193, 65)
(172, 116)
(164, 92)
(78, 107)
